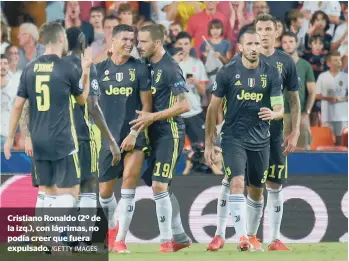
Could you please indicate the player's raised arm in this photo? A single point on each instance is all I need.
(17, 109)
(86, 61)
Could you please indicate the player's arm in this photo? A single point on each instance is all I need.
(25, 120)
(292, 96)
(311, 87)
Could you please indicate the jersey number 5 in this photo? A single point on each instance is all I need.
(43, 91)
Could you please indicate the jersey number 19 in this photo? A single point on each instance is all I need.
(43, 91)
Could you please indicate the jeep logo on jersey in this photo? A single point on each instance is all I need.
(251, 82)
(264, 80)
(119, 76)
(250, 96)
(127, 91)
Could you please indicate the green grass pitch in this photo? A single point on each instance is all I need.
(197, 252)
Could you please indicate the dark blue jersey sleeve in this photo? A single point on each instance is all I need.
(292, 79)
(22, 89)
(74, 76)
(94, 86)
(275, 82)
(219, 88)
(176, 81)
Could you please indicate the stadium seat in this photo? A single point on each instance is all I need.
(322, 136)
(332, 148)
(344, 141)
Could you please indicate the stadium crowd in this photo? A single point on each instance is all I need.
(201, 37)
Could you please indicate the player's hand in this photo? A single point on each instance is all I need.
(143, 121)
(115, 151)
(290, 142)
(128, 143)
(7, 147)
(28, 147)
(210, 155)
(86, 58)
(266, 114)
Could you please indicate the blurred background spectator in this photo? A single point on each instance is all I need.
(201, 37)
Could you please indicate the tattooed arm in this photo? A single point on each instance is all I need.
(295, 104)
(25, 119)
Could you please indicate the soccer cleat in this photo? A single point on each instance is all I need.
(244, 244)
(120, 247)
(111, 236)
(167, 247)
(178, 246)
(255, 244)
(216, 244)
(278, 245)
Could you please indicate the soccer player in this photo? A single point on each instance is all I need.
(166, 132)
(266, 27)
(49, 83)
(250, 87)
(86, 137)
(125, 87)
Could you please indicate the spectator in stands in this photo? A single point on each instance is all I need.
(28, 37)
(195, 74)
(8, 95)
(12, 55)
(102, 46)
(159, 12)
(125, 14)
(97, 15)
(198, 24)
(112, 7)
(86, 6)
(72, 19)
(340, 38)
(281, 28)
(54, 11)
(307, 91)
(332, 90)
(319, 24)
(331, 8)
(3, 38)
(294, 21)
(182, 11)
(220, 46)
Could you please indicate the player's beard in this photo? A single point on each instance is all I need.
(251, 60)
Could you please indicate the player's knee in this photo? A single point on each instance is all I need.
(88, 186)
(159, 187)
(106, 190)
(237, 185)
(49, 190)
(74, 191)
(272, 185)
(255, 193)
(129, 181)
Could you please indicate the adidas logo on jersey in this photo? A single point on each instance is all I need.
(238, 83)
(106, 78)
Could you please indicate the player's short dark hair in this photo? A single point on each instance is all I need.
(3, 56)
(315, 38)
(76, 39)
(49, 32)
(217, 24)
(122, 28)
(248, 30)
(266, 18)
(109, 17)
(97, 9)
(156, 32)
(183, 35)
(292, 15)
(331, 54)
(289, 34)
(324, 15)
